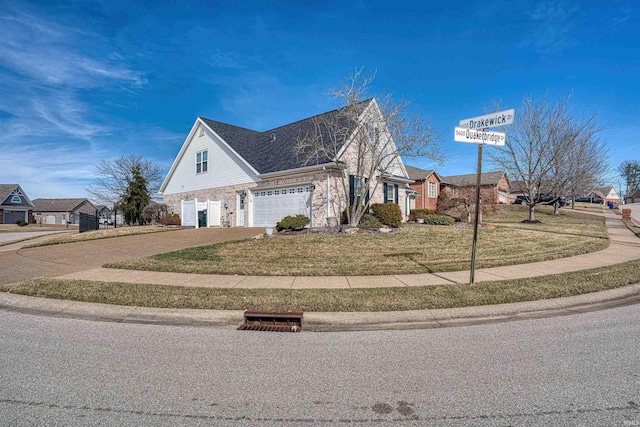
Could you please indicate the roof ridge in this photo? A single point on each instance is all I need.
(288, 124)
(320, 114)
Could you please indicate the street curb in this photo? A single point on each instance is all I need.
(330, 321)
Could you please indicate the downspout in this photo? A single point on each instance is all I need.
(422, 186)
(328, 196)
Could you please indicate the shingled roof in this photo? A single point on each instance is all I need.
(57, 205)
(7, 189)
(275, 149)
(418, 174)
(487, 178)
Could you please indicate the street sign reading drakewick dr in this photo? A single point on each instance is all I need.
(499, 118)
(479, 136)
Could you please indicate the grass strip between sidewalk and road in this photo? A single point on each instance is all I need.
(328, 300)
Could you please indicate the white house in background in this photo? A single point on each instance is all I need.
(608, 194)
(258, 178)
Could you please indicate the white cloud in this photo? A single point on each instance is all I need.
(553, 23)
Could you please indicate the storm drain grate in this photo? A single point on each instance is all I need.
(272, 321)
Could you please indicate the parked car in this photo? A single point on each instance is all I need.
(544, 199)
(589, 200)
(105, 221)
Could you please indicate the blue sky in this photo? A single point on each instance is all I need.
(83, 81)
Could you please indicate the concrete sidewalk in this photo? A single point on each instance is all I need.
(625, 246)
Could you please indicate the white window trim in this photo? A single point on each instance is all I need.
(203, 163)
(431, 190)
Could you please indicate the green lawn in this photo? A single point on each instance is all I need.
(413, 249)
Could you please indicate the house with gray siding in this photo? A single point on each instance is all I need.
(15, 205)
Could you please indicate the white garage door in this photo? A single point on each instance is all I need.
(270, 206)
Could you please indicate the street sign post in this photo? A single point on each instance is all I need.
(474, 130)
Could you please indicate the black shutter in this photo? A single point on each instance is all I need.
(395, 190)
(366, 184)
(384, 189)
(352, 183)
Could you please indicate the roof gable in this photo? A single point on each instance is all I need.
(8, 191)
(418, 174)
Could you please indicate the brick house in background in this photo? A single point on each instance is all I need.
(61, 211)
(608, 194)
(14, 204)
(427, 187)
(495, 183)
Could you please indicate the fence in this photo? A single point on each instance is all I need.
(88, 222)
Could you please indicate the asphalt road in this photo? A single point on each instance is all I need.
(573, 370)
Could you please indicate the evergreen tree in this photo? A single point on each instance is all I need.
(136, 198)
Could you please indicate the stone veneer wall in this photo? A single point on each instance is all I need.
(223, 194)
(318, 179)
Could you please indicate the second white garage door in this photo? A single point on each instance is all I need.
(270, 206)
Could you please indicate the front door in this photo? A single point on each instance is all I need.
(240, 211)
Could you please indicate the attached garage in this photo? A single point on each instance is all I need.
(11, 217)
(271, 205)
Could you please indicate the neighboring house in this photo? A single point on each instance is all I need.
(62, 211)
(14, 205)
(608, 194)
(254, 179)
(496, 182)
(426, 184)
(103, 212)
(633, 197)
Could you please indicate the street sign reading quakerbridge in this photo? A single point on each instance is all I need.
(479, 136)
(499, 118)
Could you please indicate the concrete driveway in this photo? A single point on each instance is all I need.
(57, 260)
(10, 236)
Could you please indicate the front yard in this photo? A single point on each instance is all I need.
(413, 249)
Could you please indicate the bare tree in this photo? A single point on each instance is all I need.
(377, 133)
(552, 150)
(114, 176)
(629, 171)
(464, 203)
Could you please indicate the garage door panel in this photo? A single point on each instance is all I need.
(10, 217)
(269, 207)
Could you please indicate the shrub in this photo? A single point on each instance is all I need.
(439, 220)
(289, 222)
(21, 222)
(369, 221)
(154, 212)
(171, 219)
(344, 218)
(421, 213)
(388, 214)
